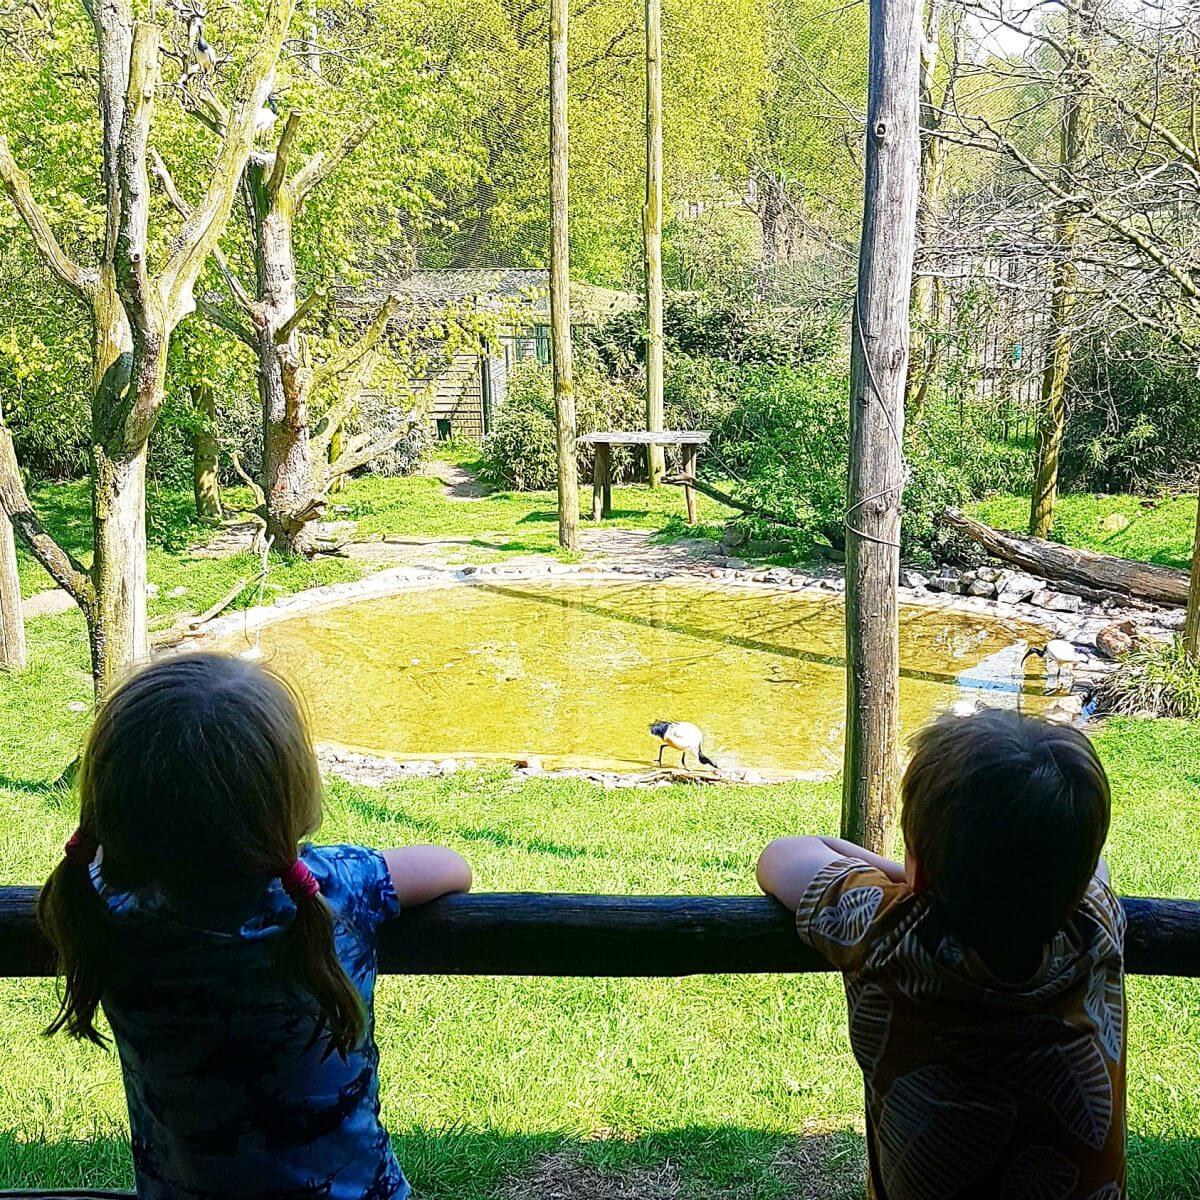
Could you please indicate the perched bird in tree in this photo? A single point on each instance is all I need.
(202, 54)
(1060, 652)
(681, 736)
(264, 120)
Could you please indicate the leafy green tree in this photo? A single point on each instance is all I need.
(131, 275)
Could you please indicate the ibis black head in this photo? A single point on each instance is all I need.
(659, 728)
(1040, 651)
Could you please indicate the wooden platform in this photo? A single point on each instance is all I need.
(690, 440)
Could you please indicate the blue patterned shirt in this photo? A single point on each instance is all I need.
(232, 1089)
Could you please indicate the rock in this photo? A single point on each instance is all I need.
(766, 548)
(947, 581)
(1016, 587)
(989, 574)
(1116, 522)
(78, 706)
(1065, 710)
(779, 575)
(1176, 619)
(830, 585)
(1061, 602)
(735, 535)
(914, 580)
(152, 589)
(1117, 639)
(735, 564)
(175, 593)
(448, 766)
(531, 763)
(981, 587)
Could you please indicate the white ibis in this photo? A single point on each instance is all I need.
(1060, 652)
(265, 118)
(684, 737)
(202, 54)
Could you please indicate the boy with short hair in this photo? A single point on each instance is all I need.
(984, 976)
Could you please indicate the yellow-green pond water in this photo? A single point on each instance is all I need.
(575, 672)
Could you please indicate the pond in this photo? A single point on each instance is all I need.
(576, 672)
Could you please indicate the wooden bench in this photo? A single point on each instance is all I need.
(689, 440)
(527, 933)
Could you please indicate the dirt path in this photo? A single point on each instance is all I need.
(460, 483)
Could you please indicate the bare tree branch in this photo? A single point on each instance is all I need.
(201, 231)
(322, 164)
(81, 282)
(278, 175)
(341, 363)
(70, 574)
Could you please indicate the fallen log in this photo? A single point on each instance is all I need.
(1085, 570)
(715, 493)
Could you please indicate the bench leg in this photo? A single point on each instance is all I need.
(601, 483)
(689, 472)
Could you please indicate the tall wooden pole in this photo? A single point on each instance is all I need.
(12, 619)
(1075, 135)
(1191, 630)
(560, 285)
(878, 367)
(652, 236)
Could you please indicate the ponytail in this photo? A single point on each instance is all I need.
(306, 956)
(74, 920)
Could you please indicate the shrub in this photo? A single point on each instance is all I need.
(1134, 418)
(521, 451)
(789, 440)
(1158, 680)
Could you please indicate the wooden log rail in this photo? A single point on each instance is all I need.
(527, 933)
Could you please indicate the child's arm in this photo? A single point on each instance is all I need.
(423, 873)
(788, 865)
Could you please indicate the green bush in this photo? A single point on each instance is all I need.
(520, 454)
(788, 440)
(1134, 418)
(1157, 681)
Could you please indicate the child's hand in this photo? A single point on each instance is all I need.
(423, 873)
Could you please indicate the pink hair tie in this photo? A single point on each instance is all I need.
(299, 882)
(80, 849)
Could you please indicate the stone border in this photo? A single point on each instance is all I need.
(1080, 625)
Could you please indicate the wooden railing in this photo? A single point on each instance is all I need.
(533, 933)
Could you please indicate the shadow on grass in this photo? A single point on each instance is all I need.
(716, 1163)
(691, 1163)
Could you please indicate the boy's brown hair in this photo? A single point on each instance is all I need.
(1006, 816)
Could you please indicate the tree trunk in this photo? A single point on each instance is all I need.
(117, 629)
(878, 368)
(560, 285)
(926, 293)
(1191, 632)
(1085, 569)
(1076, 132)
(287, 462)
(12, 620)
(206, 476)
(652, 237)
(117, 622)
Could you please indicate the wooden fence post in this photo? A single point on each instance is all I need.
(878, 367)
(560, 285)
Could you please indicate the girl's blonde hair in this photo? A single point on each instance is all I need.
(198, 773)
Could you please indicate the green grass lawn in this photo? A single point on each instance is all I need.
(1158, 530)
(708, 1084)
